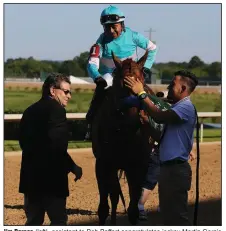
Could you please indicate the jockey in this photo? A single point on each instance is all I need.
(123, 42)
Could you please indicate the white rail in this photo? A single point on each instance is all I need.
(204, 115)
(70, 116)
(82, 116)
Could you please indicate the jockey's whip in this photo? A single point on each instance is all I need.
(197, 172)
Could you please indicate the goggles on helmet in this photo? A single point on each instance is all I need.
(113, 18)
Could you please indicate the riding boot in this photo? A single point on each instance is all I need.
(93, 109)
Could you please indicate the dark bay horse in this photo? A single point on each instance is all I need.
(120, 141)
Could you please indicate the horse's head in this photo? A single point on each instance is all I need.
(127, 105)
(120, 116)
(127, 68)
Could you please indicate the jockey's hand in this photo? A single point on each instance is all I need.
(100, 82)
(77, 170)
(143, 117)
(135, 85)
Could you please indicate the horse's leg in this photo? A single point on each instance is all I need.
(102, 181)
(135, 177)
(134, 192)
(114, 196)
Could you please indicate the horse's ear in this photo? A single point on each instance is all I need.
(117, 61)
(142, 60)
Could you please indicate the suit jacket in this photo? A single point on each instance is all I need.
(44, 140)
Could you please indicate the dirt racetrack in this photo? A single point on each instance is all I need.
(83, 200)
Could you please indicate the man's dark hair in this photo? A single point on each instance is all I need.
(53, 80)
(188, 77)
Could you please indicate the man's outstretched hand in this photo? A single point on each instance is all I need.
(135, 85)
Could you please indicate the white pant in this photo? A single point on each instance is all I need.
(109, 79)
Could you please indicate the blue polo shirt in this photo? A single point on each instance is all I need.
(178, 138)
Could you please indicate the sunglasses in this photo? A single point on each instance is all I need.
(111, 17)
(66, 92)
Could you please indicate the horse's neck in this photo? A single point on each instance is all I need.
(112, 107)
(108, 102)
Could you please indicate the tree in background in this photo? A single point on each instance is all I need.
(195, 62)
(71, 67)
(30, 67)
(214, 70)
(82, 61)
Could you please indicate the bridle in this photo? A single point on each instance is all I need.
(120, 96)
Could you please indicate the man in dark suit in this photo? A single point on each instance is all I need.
(45, 162)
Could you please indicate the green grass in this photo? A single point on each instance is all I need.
(209, 135)
(16, 101)
(207, 103)
(13, 145)
(79, 144)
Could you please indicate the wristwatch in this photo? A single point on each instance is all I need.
(142, 95)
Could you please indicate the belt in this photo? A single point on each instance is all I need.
(172, 162)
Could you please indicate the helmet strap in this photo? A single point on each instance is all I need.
(123, 26)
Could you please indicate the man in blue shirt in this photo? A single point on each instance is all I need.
(175, 144)
(123, 42)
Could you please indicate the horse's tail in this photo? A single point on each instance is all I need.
(120, 190)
